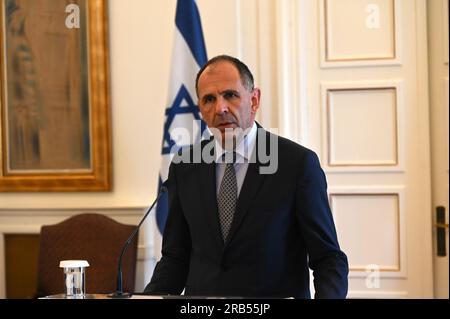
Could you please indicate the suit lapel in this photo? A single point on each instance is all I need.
(208, 198)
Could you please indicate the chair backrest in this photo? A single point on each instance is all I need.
(92, 237)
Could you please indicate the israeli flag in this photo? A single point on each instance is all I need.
(182, 113)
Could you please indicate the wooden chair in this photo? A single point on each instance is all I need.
(92, 237)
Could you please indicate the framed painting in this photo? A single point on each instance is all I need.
(54, 107)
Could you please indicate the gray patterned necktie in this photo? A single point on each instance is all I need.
(226, 199)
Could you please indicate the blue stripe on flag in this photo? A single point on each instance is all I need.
(189, 24)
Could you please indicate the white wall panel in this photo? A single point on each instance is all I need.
(368, 227)
(362, 125)
(360, 32)
(370, 222)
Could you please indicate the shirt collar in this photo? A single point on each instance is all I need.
(244, 149)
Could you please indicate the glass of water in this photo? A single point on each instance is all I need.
(74, 275)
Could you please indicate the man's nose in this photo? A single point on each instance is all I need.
(221, 106)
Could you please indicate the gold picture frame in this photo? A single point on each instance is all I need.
(54, 106)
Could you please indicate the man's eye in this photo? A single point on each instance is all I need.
(229, 95)
(208, 99)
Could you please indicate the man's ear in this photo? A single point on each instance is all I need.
(256, 97)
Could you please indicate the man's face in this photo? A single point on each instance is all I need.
(224, 102)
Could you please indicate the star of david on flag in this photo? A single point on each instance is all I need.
(189, 55)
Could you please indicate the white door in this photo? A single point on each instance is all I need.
(371, 83)
(438, 57)
(348, 78)
(352, 85)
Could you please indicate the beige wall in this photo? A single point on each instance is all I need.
(141, 33)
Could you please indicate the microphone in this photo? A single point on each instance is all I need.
(119, 291)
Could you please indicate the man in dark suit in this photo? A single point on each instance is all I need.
(239, 224)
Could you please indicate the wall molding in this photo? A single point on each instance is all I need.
(379, 190)
(356, 61)
(399, 165)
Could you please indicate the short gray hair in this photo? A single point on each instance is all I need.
(244, 72)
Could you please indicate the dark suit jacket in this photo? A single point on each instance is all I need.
(282, 224)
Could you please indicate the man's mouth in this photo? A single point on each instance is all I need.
(226, 125)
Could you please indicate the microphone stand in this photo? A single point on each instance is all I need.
(119, 291)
